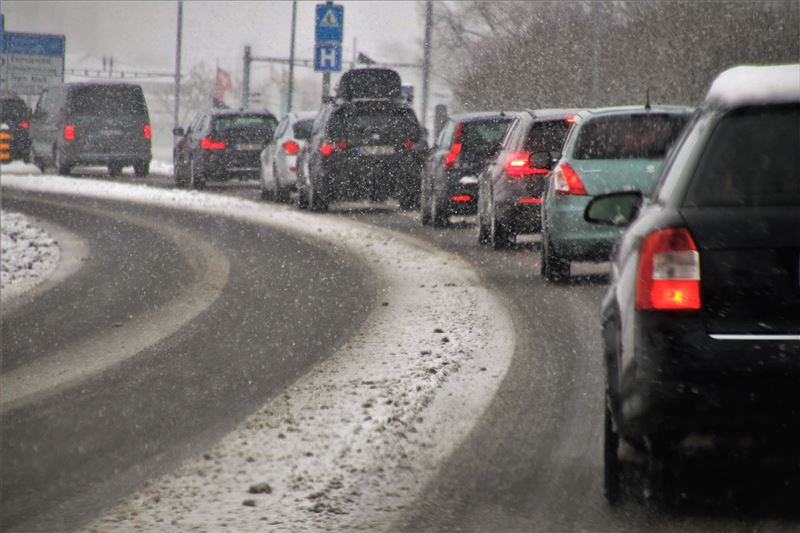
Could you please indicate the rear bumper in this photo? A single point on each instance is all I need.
(685, 381)
(221, 166)
(348, 177)
(84, 155)
(518, 204)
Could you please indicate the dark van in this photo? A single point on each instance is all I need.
(92, 124)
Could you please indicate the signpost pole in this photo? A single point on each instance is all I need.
(246, 78)
(175, 116)
(291, 56)
(426, 65)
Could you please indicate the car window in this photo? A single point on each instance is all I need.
(481, 136)
(302, 128)
(446, 135)
(260, 122)
(387, 124)
(639, 136)
(547, 136)
(107, 100)
(281, 128)
(752, 159)
(13, 109)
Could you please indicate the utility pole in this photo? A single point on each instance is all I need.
(246, 77)
(595, 51)
(426, 64)
(175, 116)
(291, 56)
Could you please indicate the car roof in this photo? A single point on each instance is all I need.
(232, 112)
(302, 115)
(632, 109)
(553, 113)
(748, 85)
(482, 115)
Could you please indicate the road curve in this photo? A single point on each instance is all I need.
(69, 452)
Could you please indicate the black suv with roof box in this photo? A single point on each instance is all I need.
(365, 145)
(92, 124)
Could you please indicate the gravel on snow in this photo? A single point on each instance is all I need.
(351, 443)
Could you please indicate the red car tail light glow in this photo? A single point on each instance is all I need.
(452, 156)
(69, 132)
(668, 273)
(148, 131)
(24, 125)
(567, 181)
(519, 165)
(290, 147)
(207, 143)
(333, 146)
(461, 198)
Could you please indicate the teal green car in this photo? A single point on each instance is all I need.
(609, 149)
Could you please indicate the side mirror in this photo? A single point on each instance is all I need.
(614, 209)
(178, 132)
(542, 160)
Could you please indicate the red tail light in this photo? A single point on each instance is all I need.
(69, 132)
(668, 273)
(567, 181)
(452, 156)
(207, 143)
(290, 148)
(409, 144)
(570, 119)
(529, 201)
(24, 125)
(333, 146)
(461, 198)
(519, 165)
(148, 132)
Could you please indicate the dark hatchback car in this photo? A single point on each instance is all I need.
(16, 115)
(450, 177)
(92, 124)
(701, 325)
(361, 150)
(512, 184)
(220, 145)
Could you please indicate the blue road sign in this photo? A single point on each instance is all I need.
(328, 57)
(329, 23)
(33, 44)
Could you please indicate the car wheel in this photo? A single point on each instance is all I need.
(62, 167)
(439, 217)
(282, 196)
(484, 232)
(315, 200)
(499, 235)
(114, 169)
(196, 179)
(612, 467)
(38, 161)
(424, 204)
(141, 169)
(180, 180)
(554, 267)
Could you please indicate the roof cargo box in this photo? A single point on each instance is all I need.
(369, 84)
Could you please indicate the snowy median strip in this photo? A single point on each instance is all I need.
(28, 255)
(351, 443)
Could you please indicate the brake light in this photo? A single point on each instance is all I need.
(333, 146)
(24, 125)
(69, 132)
(668, 273)
(207, 143)
(461, 198)
(567, 181)
(519, 165)
(570, 119)
(409, 144)
(529, 201)
(452, 156)
(148, 132)
(290, 148)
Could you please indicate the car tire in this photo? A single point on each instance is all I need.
(315, 200)
(612, 466)
(554, 267)
(499, 234)
(178, 174)
(141, 169)
(484, 232)
(62, 167)
(196, 179)
(282, 196)
(424, 205)
(38, 162)
(114, 169)
(439, 216)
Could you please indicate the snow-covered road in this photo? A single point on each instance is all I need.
(352, 442)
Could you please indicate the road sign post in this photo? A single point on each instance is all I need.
(328, 33)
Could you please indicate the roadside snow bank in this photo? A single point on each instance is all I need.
(353, 441)
(29, 255)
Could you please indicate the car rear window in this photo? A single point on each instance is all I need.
(302, 128)
(639, 136)
(260, 123)
(547, 136)
(14, 109)
(752, 159)
(108, 100)
(481, 136)
(390, 125)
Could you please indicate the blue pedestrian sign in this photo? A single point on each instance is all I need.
(328, 57)
(329, 23)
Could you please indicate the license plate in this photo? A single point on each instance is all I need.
(377, 150)
(248, 147)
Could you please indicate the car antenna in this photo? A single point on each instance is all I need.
(647, 104)
(502, 113)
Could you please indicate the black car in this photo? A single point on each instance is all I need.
(701, 325)
(16, 115)
(92, 124)
(364, 146)
(450, 178)
(510, 188)
(220, 145)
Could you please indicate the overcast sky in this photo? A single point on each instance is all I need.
(142, 33)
